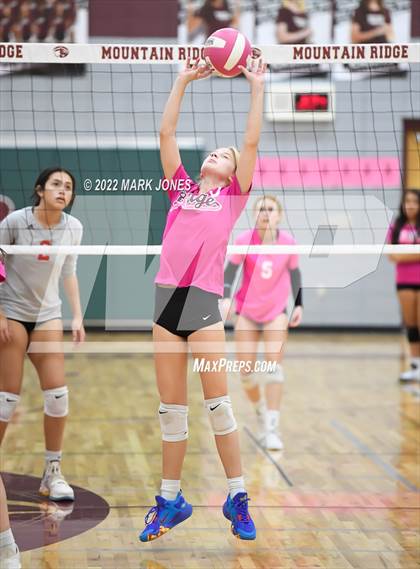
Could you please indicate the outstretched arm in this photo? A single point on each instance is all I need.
(169, 151)
(249, 148)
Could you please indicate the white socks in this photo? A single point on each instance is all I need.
(260, 406)
(51, 455)
(236, 485)
(272, 419)
(6, 538)
(169, 489)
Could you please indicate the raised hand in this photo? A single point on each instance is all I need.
(255, 69)
(195, 70)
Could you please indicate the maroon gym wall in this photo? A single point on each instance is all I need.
(133, 18)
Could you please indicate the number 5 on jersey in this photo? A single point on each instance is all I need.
(266, 269)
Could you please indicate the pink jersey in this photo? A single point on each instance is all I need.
(266, 282)
(407, 273)
(197, 232)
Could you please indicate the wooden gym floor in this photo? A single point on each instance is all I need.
(343, 494)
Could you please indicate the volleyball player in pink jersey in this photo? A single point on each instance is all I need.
(189, 286)
(261, 301)
(406, 230)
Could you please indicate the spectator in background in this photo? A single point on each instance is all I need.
(293, 23)
(45, 20)
(213, 15)
(62, 22)
(371, 23)
(6, 20)
(23, 24)
(406, 231)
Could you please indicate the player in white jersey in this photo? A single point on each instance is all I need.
(30, 312)
(260, 303)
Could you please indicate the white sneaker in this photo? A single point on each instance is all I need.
(272, 441)
(261, 424)
(412, 374)
(54, 485)
(10, 557)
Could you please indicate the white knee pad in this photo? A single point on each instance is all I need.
(173, 422)
(221, 415)
(56, 402)
(275, 376)
(8, 403)
(250, 380)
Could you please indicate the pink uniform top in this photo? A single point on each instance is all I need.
(197, 232)
(407, 273)
(266, 283)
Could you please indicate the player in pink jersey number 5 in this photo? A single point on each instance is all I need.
(189, 286)
(260, 303)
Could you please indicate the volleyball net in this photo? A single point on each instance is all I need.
(334, 149)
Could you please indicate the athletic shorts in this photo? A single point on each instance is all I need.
(261, 324)
(184, 310)
(408, 286)
(30, 326)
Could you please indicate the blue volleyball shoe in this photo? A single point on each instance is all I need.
(164, 516)
(236, 511)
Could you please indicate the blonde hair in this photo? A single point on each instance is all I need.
(301, 4)
(273, 198)
(236, 155)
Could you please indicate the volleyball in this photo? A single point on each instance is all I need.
(226, 50)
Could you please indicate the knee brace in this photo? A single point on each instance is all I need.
(8, 403)
(173, 422)
(250, 380)
(413, 335)
(56, 402)
(275, 376)
(221, 415)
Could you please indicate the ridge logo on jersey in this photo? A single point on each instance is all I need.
(198, 202)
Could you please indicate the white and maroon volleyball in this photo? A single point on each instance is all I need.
(225, 50)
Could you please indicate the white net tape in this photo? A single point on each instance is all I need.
(133, 250)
